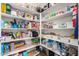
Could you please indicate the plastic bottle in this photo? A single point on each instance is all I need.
(2, 49)
(8, 8)
(7, 48)
(15, 24)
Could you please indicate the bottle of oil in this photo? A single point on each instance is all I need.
(3, 8)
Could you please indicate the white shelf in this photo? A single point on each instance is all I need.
(17, 17)
(73, 42)
(55, 51)
(19, 39)
(58, 29)
(58, 16)
(16, 29)
(21, 49)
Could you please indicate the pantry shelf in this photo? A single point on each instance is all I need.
(16, 29)
(55, 51)
(17, 17)
(21, 49)
(58, 29)
(28, 31)
(69, 41)
(66, 14)
(14, 40)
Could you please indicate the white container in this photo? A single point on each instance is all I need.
(28, 42)
(69, 25)
(13, 12)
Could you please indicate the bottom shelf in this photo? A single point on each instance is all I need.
(21, 49)
(56, 51)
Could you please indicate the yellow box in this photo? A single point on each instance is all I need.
(3, 8)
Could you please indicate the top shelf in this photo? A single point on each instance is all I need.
(17, 17)
(23, 7)
(66, 14)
